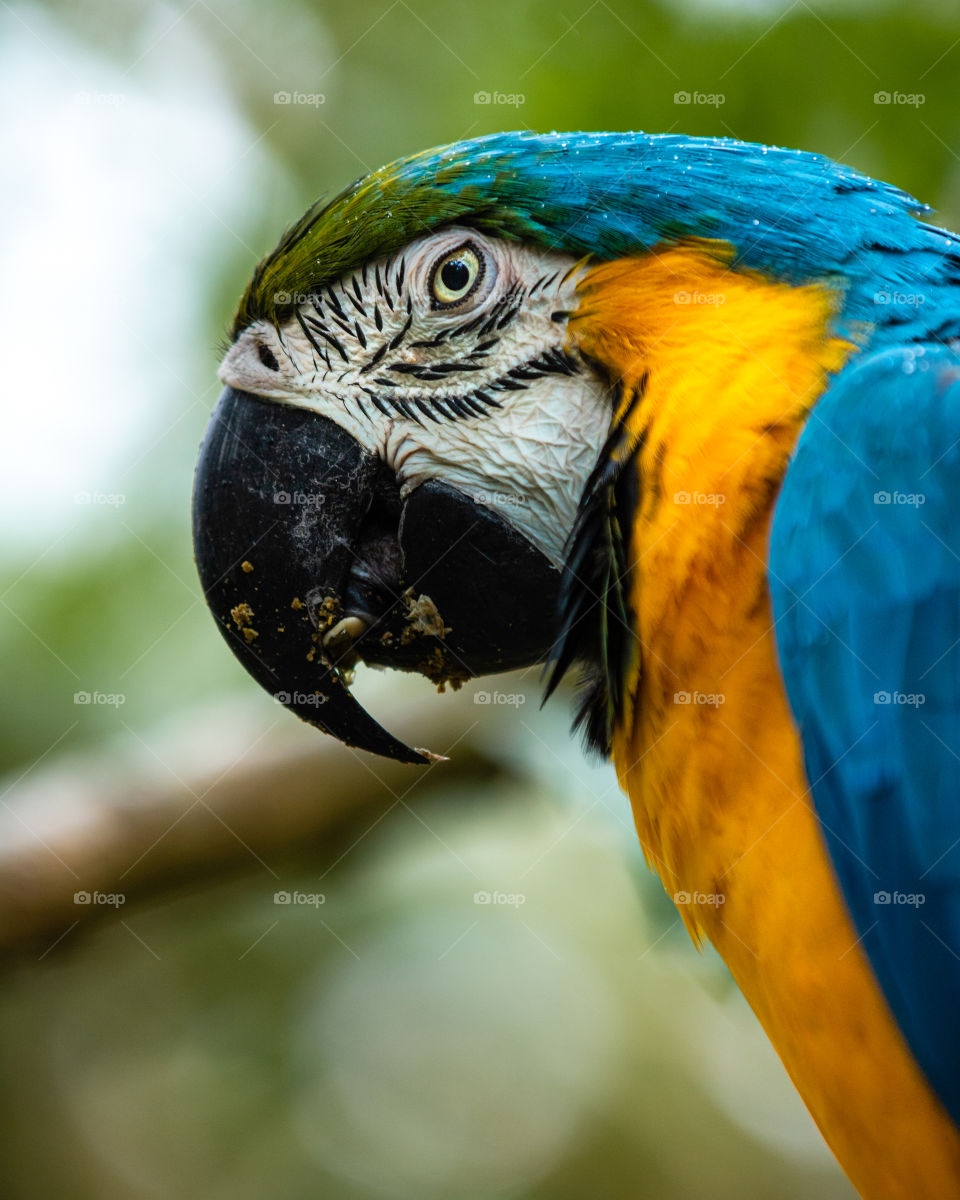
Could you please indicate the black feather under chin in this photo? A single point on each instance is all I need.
(595, 616)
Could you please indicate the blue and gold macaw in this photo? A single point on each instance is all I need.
(684, 412)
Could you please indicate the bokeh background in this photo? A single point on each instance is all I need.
(385, 1033)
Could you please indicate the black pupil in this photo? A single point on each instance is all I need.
(455, 275)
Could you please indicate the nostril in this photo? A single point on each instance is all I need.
(267, 357)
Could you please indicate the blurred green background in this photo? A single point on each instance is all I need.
(397, 1038)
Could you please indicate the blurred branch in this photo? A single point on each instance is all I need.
(218, 795)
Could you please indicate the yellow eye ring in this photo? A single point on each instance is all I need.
(456, 276)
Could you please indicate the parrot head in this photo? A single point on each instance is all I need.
(414, 462)
(394, 467)
(393, 470)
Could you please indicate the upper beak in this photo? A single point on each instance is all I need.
(309, 560)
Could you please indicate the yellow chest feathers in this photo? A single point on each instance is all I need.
(733, 364)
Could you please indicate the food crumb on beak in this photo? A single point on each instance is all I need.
(422, 618)
(242, 614)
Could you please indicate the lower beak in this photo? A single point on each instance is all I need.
(309, 560)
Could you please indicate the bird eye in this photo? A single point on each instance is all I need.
(456, 276)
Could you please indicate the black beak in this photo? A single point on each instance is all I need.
(309, 560)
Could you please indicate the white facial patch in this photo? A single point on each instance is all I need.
(477, 392)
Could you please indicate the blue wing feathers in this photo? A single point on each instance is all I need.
(865, 580)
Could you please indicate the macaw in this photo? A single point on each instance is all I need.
(685, 413)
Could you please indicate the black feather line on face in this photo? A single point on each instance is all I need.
(334, 303)
(324, 333)
(595, 617)
(378, 354)
(317, 348)
(398, 337)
